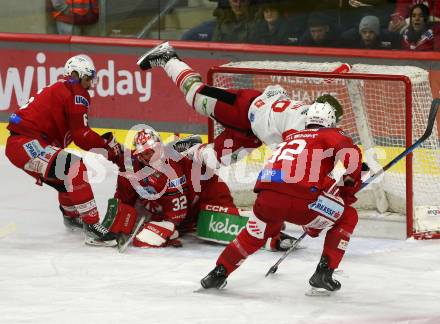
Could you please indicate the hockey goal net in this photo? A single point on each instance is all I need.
(385, 109)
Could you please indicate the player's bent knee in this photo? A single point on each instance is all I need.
(204, 98)
(64, 168)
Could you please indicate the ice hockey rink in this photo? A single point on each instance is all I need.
(47, 275)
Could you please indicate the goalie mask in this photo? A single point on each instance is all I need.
(148, 146)
(322, 114)
(82, 65)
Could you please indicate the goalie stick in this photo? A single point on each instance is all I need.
(124, 241)
(431, 120)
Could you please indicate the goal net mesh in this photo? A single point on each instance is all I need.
(374, 116)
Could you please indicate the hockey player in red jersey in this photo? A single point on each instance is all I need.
(250, 117)
(294, 186)
(41, 129)
(168, 187)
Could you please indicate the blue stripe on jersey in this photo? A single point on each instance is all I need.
(14, 119)
(268, 175)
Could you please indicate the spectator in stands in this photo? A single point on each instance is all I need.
(320, 32)
(400, 18)
(421, 35)
(356, 10)
(347, 14)
(235, 21)
(272, 27)
(75, 17)
(369, 36)
(202, 32)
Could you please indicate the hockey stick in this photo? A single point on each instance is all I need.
(431, 120)
(274, 268)
(123, 244)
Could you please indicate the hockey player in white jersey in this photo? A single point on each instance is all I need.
(248, 115)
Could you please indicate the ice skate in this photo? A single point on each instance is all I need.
(285, 242)
(98, 235)
(158, 56)
(322, 283)
(73, 223)
(183, 144)
(281, 242)
(215, 279)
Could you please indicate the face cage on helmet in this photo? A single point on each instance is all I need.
(157, 153)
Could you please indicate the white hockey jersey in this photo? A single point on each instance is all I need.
(273, 113)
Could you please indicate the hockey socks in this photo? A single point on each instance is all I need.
(238, 250)
(337, 238)
(190, 83)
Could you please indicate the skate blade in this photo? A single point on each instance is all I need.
(154, 49)
(92, 242)
(320, 292)
(203, 290)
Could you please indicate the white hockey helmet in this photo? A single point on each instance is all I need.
(82, 65)
(322, 114)
(148, 146)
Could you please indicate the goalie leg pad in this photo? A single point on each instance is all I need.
(120, 217)
(156, 234)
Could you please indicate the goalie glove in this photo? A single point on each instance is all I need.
(157, 234)
(114, 149)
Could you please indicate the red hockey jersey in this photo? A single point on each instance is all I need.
(300, 165)
(58, 114)
(168, 194)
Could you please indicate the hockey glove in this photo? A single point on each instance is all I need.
(114, 149)
(157, 234)
(280, 242)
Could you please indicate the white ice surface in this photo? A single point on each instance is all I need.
(47, 275)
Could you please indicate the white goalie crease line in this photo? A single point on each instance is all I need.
(7, 230)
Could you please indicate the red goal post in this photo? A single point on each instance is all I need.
(385, 110)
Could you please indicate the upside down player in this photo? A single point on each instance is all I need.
(41, 129)
(293, 187)
(249, 116)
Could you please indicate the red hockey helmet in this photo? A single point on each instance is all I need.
(148, 146)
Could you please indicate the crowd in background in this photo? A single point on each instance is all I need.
(367, 24)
